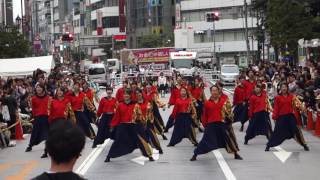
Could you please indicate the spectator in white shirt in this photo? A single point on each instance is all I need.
(162, 82)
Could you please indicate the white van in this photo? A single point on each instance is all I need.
(97, 73)
(229, 73)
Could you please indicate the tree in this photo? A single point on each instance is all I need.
(287, 21)
(151, 41)
(13, 45)
(155, 41)
(76, 56)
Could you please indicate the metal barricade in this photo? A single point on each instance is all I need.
(210, 75)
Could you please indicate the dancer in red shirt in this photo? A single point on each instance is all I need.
(39, 104)
(127, 139)
(175, 94)
(145, 126)
(197, 92)
(185, 115)
(91, 95)
(120, 91)
(228, 119)
(286, 125)
(249, 87)
(105, 112)
(78, 101)
(259, 108)
(239, 102)
(60, 108)
(153, 98)
(215, 135)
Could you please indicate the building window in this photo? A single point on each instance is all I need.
(110, 22)
(94, 25)
(220, 36)
(234, 12)
(110, 3)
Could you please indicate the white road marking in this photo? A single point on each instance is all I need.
(224, 166)
(86, 164)
(281, 154)
(141, 159)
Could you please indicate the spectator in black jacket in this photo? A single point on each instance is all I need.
(64, 145)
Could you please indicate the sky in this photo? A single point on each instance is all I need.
(16, 8)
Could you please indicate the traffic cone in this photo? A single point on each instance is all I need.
(19, 131)
(310, 121)
(317, 128)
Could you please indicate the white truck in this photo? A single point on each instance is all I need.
(183, 63)
(114, 65)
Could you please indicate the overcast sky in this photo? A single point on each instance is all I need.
(16, 8)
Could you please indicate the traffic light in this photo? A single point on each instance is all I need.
(67, 37)
(212, 16)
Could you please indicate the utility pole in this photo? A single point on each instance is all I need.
(214, 57)
(246, 28)
(213, 17)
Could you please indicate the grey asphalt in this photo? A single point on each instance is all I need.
(174, 163)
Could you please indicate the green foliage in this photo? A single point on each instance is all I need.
(76, 56)
(155, 41)
(287, 22)
(13, 45)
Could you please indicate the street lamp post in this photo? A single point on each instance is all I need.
(18, 22)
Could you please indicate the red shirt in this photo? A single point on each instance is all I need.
(149, 97)
(144, 107)
(123, 114)
(134, 96)
(212, 111)
(119, 95)
(175, 94)
(249, 86)
(181, 106)
(197, 92)
(58, 109)
(154, 89)
(39, 105)
(89, 94)
(239, 95)
(282, 105)
(106, 106)
(77, 101)
(224, 97)
(68, 94)
(257, 104)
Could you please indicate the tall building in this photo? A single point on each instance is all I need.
(6, 13)
(230, 38)
(49, 19)
(145, 17)
(98, 25)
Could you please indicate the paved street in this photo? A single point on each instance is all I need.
(286, 162)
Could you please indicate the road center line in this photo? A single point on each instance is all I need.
(224, 166)
(86, 164)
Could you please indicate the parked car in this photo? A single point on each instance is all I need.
(229, 73)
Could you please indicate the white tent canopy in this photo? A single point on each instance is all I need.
(25, 66)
